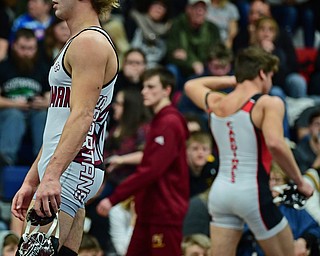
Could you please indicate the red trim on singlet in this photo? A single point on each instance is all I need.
(248, 106)
(263, 166)
(267, 158)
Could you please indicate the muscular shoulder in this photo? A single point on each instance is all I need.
(90, 40)
(270, 102)
(91, 51)
(90, 44)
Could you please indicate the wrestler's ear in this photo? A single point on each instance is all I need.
(262, 75)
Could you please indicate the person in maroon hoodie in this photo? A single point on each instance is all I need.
(161, 183)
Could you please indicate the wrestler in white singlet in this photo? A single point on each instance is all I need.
(84, 176)
(240, 192)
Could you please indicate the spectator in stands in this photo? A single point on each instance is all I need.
(123, 152)
(24, 96)
(294, 13)
(37, 18)
(114, 25)
(8, 243)
(124, 145)
(257, 10)
(245, 37)
(201, 162)
(134, 64)
(301, 125)
(122, 220)
(196, 245)
(150, 30)
(313, 206)
(307, 151)
(193, 122)
(89, 246)
(265, 34)
(219, 63)
(56, 35)
(189, 41)
(197, 220)
(7, 16)
(225, 15)
(305, 229)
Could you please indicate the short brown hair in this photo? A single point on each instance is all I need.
(167, 79)
(89, 242)
(251, 60)
(11, 239)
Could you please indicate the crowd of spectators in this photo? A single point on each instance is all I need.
(191, 38)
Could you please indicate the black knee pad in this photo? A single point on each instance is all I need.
(65, 251)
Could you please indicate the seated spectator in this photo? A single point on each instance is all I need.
(313, 205)
(56, 35)
(193, 122)
(114, 25)
(24, 97)
(265, 33)
(124, 145)
(37, 18)
(189, 40)
(196, 245)
(202, 164)
(8, 243)
(7, 15)
(89, 246)
(293, 14)
(301, 125)
(149, 32)
(225, 15)
(197, 219)
(219, 63)
(245, 37)
(129, 77)
(122, 220)
(307, 151)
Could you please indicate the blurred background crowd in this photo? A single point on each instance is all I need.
(191, 38)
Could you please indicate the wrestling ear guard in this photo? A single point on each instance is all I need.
(289, 196)
(37, 220)
(39, 243)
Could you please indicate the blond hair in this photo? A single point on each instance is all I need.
(103, 7)
(201, 240)
(276, 169)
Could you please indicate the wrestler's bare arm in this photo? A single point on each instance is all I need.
(23, 197)
(197, 88)
(272, 113)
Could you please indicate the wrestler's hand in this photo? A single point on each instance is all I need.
(49, 192)
(305, 188)
(22, 200)
(104, 207)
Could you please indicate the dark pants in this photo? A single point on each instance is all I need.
(155, 240)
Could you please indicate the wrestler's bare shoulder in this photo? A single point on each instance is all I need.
(91, 43)
(272, 102)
